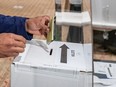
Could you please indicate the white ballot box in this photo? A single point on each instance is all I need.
(63, 64)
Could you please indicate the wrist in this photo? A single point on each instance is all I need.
(26, 25)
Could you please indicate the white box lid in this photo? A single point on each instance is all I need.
(36, 56)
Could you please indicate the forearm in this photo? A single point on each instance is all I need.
(15, 25)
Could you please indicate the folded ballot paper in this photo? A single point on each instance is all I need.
(50, 35)
(73, 18)
(59, 64)
(104, 74)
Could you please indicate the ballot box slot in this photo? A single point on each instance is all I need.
(51, 51)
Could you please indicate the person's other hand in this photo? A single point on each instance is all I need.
(11, 44)
(38, 25)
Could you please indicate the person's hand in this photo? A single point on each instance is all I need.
(11, 44)
(38, 25)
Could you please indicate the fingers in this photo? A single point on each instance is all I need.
(19, 44)
(45, 20)
(17, 49)
(45, 27)
(16, 44)
(11, 54)
(11, 44)
(18, 38)
(2, 55)
(43, 24)
(38, 25)
(13, 51)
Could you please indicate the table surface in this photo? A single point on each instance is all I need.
(33, 8)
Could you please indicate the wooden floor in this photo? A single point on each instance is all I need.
(31, 8)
